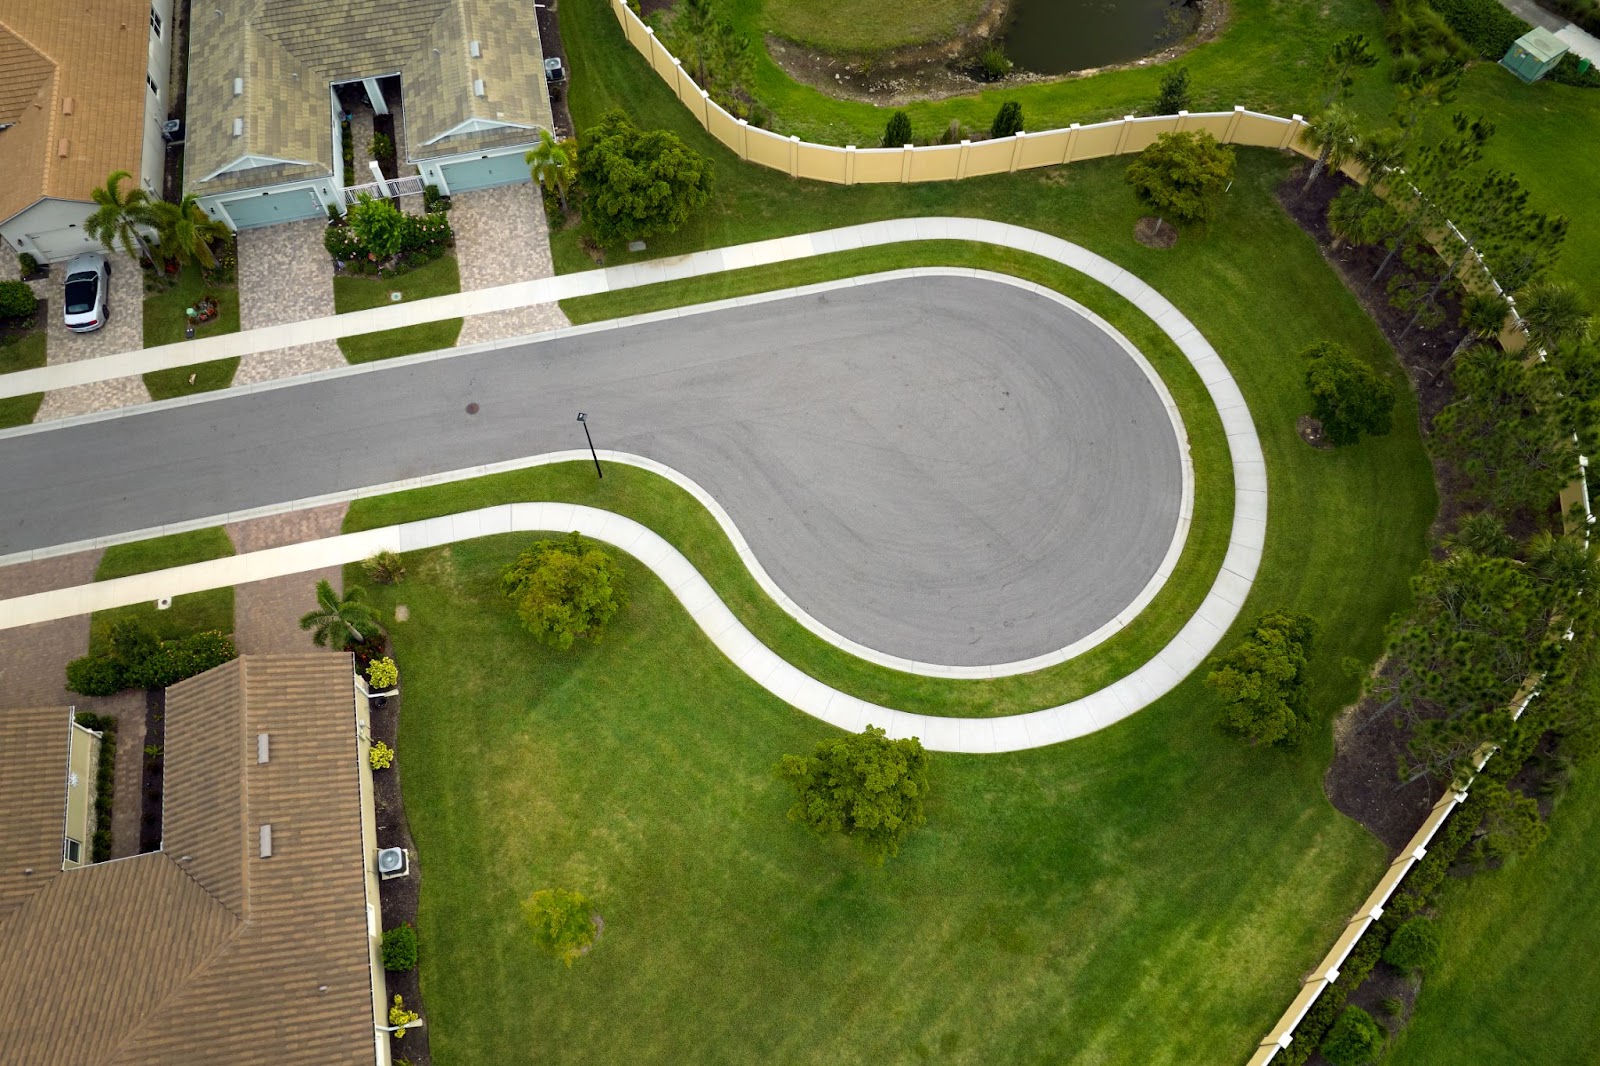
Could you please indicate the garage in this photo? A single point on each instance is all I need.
(269, 208)
(63, 243)
(484, 172)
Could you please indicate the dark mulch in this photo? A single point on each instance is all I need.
(1364, 779)
(550, 44)
(155, 731)
(398, 896)
(1153, 233)
(1387, 982)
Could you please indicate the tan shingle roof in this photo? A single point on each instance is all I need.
(185, 980)
(97, 52)
(289, 53)
(33, 800)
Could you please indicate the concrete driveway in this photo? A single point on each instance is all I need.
(946, 469)
(123, 332)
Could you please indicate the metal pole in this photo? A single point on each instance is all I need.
(585, 420)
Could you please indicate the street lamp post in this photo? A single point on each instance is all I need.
(585, 420)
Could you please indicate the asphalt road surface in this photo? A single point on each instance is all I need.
(947, 469)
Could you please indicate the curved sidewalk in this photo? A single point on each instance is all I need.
(971, 735)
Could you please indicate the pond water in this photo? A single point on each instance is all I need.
(1059, 36)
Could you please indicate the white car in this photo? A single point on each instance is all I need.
(88, 292)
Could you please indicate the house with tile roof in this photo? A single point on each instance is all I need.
(465, 80)
(83, 92)
(253, 934)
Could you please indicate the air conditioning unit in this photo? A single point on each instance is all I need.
(393, 862)
(172, 131)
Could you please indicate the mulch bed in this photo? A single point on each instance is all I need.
(1153, 233)
(550, 43)
(398, 896)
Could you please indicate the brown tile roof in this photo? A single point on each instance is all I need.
(94, 53)
(33, 801)
(274, 950)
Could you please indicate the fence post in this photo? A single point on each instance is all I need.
(705, 110)
(849, 164)
(961, 159)
(1122, 141)
(1293, 131)
(905, 164)
(1233, 124)
(1183, 120)
(1016, 151)
(1072, 143)
(744, 140)
(794, 156)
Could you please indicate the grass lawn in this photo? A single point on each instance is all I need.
(1267, 58)
(866, 25)
(1058, 901)
(23, 352)
(164, 322)
(1519, 954)
(192, 613)
(353, 293)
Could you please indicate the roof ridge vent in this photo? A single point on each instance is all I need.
(475, 50)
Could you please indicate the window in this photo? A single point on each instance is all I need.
(148, 80)
(73, 851)
(155, 22)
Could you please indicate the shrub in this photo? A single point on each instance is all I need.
(384, 567)
(398, 1015)
(863, 785)
(16, 299)
(381, 147)
(1347, 395)
(1263, 679)
(1567, 72)
(1393, 1006)
(175, 660)
(952, 133)
(95, 675)
(562, 923)
(380, 756)
(1007, 121)
(993, 64)
(564, 589)
(1356, 1039)
(27, 265)
(1174, 96)
(433, 200)
(1181, 175)
(382, 673)
(378, 225)
(399, 948)
(637, 183)
(897, 133)
(342, 243)
(1414, 946)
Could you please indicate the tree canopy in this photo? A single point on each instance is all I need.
(564, 589)
(864, 785)
(1262, 678)
(1348, 397)
(638, 183)
(1180, 176)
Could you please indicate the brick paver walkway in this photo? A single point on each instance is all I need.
(127, 805)
(266, 614)
(285, 275)
(124, 332)
(501, 237)
(33, 659)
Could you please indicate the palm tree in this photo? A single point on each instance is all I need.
(1483, 315)
(553, 163)
(1335, 136)
(117, 218)
(1552, 314)
(185, 231)
(339, 623)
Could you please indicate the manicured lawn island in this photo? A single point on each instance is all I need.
(21, 351)
(355, 293)
(192, 613)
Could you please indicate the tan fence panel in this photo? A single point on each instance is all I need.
(1097, 140)
(1212, 122)
(1262, 131)
(1044, 149)
(823, 163)
(990, 157)
(876, 165)
(768, 149)
(1142, 132)
(723, 126)
(936, 163)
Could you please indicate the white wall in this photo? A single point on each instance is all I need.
(153, 160)
(48, 216)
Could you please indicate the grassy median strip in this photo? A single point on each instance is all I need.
(191, 613)
(24, 351)
(351, 293)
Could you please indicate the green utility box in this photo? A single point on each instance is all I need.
(1534, 54)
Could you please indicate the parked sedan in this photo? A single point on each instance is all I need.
(88, 292)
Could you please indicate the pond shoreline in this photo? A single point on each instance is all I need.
(923, 73)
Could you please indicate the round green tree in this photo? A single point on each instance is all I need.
(378, 225)
(564, 589)
(864, 785)
(1355, 1039)
(637, 183)
(1347, 396)
(562, 922)
(1180, 176)
(897, 133)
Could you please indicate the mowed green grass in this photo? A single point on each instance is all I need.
(1059, 904)
(164, 321)
(354, 293)
(191, 613)
(24, 352)
(1520, 973)
(868, 25)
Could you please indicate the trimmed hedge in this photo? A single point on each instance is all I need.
(150, 663)
(1489, 28)
(105, 781)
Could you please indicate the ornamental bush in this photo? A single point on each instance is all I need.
(382, 673)
(378, 224)
(564, 589)
(95, 675)
(1262, 678)
(1356, 1039)
(637, 183)
(398, 1015)
(384, 567)
(1007, 121)
(1347, 396)
(399, 948)
(1414, 946)
(138, 660)
(897, 133)
(864, 785)
(380, 756)
(16, 299)
(562, 922)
